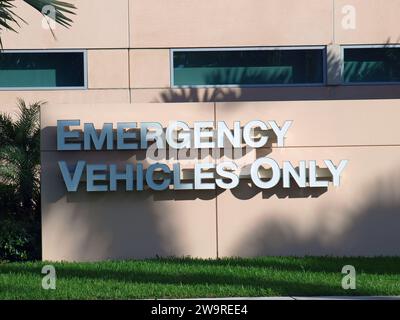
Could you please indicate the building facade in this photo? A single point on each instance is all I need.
(331, 67)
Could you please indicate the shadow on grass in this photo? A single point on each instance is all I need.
(174, 272)
(368, 265)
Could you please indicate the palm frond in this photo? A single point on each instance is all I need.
(7, 129)
(8, 18)
(61, 10)
(20, 157)
(11, 159)
(27, 123)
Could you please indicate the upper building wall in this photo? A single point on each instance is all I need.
(97, 24)
(150, 28)
(211, 23)
(101, 24)
(376, 22)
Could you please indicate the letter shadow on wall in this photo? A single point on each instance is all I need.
(369, 228)
(247, 190)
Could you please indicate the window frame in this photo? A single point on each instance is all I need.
(364, 46)
(85, 71)
(316, 47)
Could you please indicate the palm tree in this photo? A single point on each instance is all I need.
(20, 161)
(9, 19)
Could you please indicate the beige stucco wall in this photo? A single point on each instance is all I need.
(376, 22)
(108, 69)
(97, 24)
(128, 46)
(119, 225)
(191, 23)
(150, 68)
(358, 218)
(361, 217)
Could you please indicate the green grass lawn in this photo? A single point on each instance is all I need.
(185, 278)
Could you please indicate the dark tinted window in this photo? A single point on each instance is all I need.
(248, 67)
(42, 69)
(371, 65)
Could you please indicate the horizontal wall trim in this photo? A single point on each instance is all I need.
(197, 47)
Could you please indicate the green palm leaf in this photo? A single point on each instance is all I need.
(20, 157)
(61, 9)
(7, 129)
(8, 17)
(9, 20)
